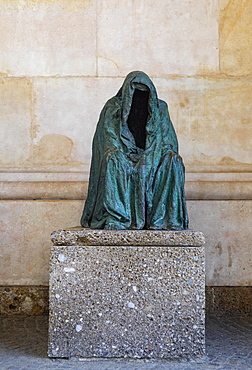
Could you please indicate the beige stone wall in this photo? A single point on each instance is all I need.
(61, 60)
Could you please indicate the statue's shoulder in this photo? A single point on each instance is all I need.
(162, 105)
(112, 105)
(163, 109)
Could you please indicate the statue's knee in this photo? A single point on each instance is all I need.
(176, 157)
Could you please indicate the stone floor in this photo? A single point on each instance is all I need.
(24, 346)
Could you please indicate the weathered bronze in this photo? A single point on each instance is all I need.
(136, 177)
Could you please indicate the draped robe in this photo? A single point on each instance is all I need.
(136, 176)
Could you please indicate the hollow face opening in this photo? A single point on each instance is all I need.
(138, 116)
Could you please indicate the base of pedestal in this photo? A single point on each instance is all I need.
(127, 301)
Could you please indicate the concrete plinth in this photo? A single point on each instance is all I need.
(139, 294)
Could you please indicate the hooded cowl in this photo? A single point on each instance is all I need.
(136, 176)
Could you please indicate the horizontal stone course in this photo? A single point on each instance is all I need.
(27, 226)
(202, 187)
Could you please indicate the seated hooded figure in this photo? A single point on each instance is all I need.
(136, 177)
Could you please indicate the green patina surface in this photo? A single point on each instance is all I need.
(137, 177)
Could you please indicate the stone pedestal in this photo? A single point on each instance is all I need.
(134, 294)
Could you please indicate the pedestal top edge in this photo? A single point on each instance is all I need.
(81, 236)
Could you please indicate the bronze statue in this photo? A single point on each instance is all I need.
(136, 177)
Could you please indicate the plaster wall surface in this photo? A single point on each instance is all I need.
(44, 38)
(145, 34)
(62, 60)
(49, 123)
(235, 37)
